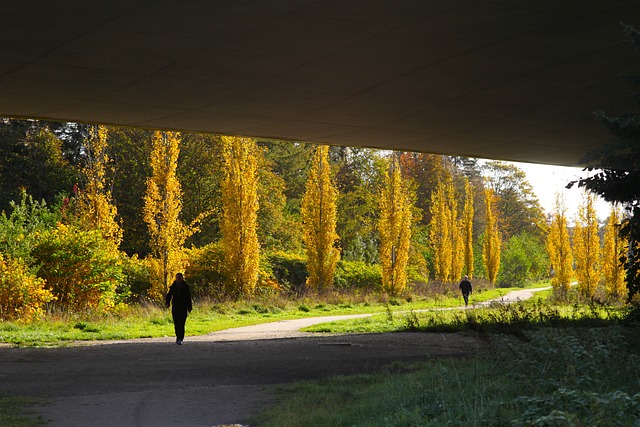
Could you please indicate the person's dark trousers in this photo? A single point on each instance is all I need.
(466, 299)
(179, 319)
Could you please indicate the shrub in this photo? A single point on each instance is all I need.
(358, 275)
(80, 268)
(136, 278)
(524, 259)
(288, 269)
(18, 231)
(22, 294)
(205, 271)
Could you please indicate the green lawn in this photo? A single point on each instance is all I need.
(571, 374)
(152, 321)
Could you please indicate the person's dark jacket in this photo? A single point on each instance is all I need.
(180, 295)
(465, 287)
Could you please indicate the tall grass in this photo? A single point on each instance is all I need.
(150, 320)
(542, 376)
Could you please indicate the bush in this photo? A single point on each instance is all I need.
(524, 259)
(22, 294)
(358, 275)
(136, 279)
(19, 230)
(290, 270)
(80, 268)
(205, 271)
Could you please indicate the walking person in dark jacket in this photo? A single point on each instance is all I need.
(181, 297)
(466, 288)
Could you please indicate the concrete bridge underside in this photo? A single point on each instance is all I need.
(507, 79)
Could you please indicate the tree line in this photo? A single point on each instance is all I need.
(94, 216)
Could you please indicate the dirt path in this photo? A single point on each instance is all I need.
(214, 379)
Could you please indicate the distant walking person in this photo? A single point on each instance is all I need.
(181, 297)
(466, 288)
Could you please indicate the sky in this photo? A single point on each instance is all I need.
(547, 181)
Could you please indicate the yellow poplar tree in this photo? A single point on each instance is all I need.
(613, 251)
(95, 205)
(240, 213)
(559, 249)
(468, 228)
(586, 248)
(318, 212)
(162, 206)
(440, 234)
(455, 235)
(491, 248)
(395, 230)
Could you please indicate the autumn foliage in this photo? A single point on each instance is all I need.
(395, 230)
(240, 208)
(162, 206)
(22, 294)
(560, 255)
(586, 248)
(318, 212)
(492, 241)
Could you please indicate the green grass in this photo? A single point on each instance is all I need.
(152, 321)
(542, 376)
(508, 318)
(14, 412)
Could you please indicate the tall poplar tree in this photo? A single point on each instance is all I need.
(613, 254)
(162, 206)
(395, 229)
(240, 214)
(586, 248)
(440, 233)
(455, 235)
(95, 207)
(319, 221)
(468, 228)
(559, 249)
(491, 248)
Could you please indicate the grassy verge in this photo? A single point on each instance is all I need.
(542, 376)
(152, 321)
(14, 412)
(498, 318)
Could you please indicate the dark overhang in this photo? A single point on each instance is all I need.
(506, 79)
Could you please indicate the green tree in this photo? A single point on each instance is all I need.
(586, 248)
(395, 229)
(319, 221)
(32, 160)
(131, 155)
(162, 206)
(559, 248)
(358, 179)
(426, 171)
(240, 209)
(515, 201)
(523, 260)
(201, 170)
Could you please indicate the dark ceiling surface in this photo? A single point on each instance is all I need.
(505, 79)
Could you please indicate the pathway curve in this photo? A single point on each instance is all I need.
(291, 328)
(214, 379)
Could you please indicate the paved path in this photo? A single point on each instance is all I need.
(291, 328)
(214, 379)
